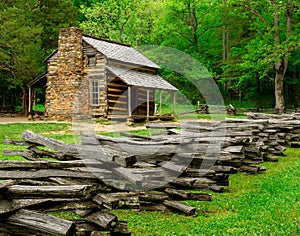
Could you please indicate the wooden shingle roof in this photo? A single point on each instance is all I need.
(119, 52)
(141, 79)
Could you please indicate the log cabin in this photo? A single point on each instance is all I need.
(92, 77)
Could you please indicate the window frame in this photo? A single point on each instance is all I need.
(94, 92)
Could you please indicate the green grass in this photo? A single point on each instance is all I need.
(241, 104)
(216, 117)
(183, 108)
(14, 131)
(264, 204)
(67, 215)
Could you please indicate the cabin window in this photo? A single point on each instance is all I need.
(94, 92)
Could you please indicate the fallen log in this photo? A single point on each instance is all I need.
(224, 169)
(98, 153)
(128, 161)
(19, 143)
(44, 173)
(34, 182)
(162, 126)
(177, 206)
(252, 169)
(28, 155)
(153, 197)
(7, 183)
(135, 136)
(50, 143)
(118, 200)
(7, 206)
(150, 206)
(105, 220)
(47, 164)
(216, 188)
(183, 195)
(68, 204)
(41, 224)
(121, 229)
(21, 191)
(48, 154)
(85, 228)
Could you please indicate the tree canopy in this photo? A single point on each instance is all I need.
(251, 48)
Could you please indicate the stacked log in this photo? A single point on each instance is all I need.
(82, 181)
(105, 173)
(26, 203)
(279, 132)
(198, 159)
(261, 139)
(263, 136)
(238, 151)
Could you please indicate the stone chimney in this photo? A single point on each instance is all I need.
(65, 75)
(70, 54)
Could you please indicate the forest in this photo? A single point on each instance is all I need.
(250, 48)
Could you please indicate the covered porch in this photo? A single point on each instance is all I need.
(136, 95)
(39, 82)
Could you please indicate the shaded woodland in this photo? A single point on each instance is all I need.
(250, 48)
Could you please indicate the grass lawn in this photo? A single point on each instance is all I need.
(264, 204)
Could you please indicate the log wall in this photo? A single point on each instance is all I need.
(95, 71)
(117, 94)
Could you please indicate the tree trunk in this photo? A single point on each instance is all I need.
(25, 98)
(279, 92)
(280, 66)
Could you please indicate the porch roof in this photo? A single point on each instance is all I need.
(141, 79)
(38, 82)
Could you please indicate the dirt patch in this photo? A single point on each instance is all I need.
(88, 126)
(85, 126)
(17, 119)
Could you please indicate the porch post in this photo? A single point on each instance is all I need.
(148, 103)
(129, 101)
(29, 101)
(160, 102)
(174, 102)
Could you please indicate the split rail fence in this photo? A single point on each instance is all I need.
(105, 173)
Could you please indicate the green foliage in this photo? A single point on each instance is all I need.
(20, 58)
(108, 19)
(124, 21)
(52, 15)
(251, 66)
(29, 31)
(233, 40)
(38, 107)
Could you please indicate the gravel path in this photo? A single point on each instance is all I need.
(92, 127)
(95, 127)
(18, 119)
